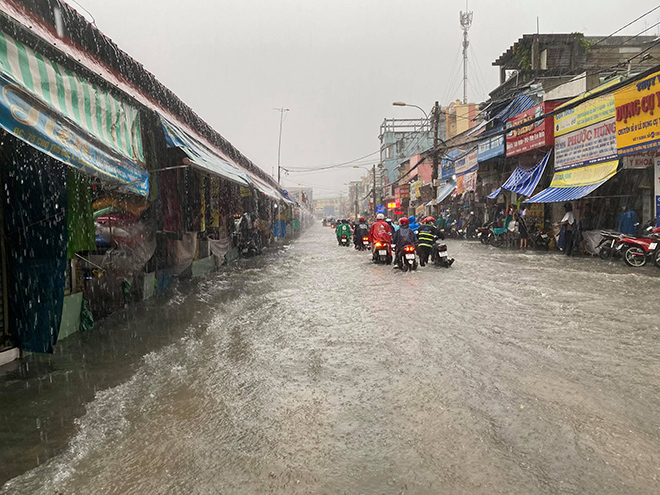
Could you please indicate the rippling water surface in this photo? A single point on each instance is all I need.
(312, 371)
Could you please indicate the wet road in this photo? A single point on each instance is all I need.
(312, 371)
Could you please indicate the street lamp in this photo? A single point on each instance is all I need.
(404, 104)
(282, 111)
(373, 191)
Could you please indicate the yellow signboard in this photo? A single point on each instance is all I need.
(638, 116)
(587, 113)
(585, 176)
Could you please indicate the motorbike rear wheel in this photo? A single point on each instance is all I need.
(656, 258)
(634, 256)
(495, 240)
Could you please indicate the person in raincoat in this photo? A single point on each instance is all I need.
(380, 231)
(426, 235)
(628, 220)
(403, 237)
(343, 229)
(361, 230)
(412, 223)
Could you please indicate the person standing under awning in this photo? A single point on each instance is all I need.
(627, 221)
(567, 225)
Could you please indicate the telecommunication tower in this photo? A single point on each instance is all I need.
(466, 22)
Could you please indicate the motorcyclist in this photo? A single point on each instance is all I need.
(361, 230)
(426, 236)
(402, 238)
(389, 222)
(412, 222)
(343, 229)
(380, 231)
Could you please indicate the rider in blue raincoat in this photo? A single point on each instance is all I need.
(412, 222)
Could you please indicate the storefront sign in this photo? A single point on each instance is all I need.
(27, 118)
(656, 179)
(587, 113)
(448, 168)
(529, 137)
(470, 181)
(592, 144)
(467, 163)
(490, 148)
(642, 160)
(417, 189)
(380, 209)
(459, 185)
(638, 116)
(585, 176)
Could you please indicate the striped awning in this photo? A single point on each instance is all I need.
(519, 104)
(523, 180)
(576, 183)
(446, 190)
(70, 118)
(200, 155)
(495, 193)
(111, 121)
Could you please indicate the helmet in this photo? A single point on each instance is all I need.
(388, 220)
(344, 220)
(380, 216)
(429, 219)
(361, 219)
(403, 221)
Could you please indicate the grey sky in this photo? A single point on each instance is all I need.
(337, 64)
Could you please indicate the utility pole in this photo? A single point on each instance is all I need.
(282, 111)
(436, 141)
(374, 191)
(466, 22)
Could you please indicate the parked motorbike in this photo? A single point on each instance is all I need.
(439, 255)
(382, 253)
(408, 258)
(540, 239)
(483, 233)
(607, 250)
(635, 250)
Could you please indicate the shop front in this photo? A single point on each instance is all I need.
(63, 137)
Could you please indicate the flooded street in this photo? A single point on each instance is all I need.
(313, 371)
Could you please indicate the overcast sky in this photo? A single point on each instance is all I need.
(336, 64)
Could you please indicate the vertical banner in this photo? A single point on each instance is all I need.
(656, 178)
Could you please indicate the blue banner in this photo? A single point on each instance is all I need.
(447, 164)
(491, 147)
(380, 209)
(32, 121)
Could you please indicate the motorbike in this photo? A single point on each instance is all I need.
(483, 233)
(344, 240)
(439, 255)
(540, 239)
(362, 245)
(635, 250)
(382, 253)
(607, 247)
(408, 258)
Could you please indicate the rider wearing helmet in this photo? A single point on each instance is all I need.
(343, 229)
(402, 238)
(361, 231)
(380, 231)
(426, 236)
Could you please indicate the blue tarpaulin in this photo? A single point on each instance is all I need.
(524, 180)
(200, 155)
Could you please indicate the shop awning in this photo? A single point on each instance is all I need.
(262, 186)
(524, 180)
(446, 190)
(576, 183)
(69, 118)
(285, 195)
(200, 155)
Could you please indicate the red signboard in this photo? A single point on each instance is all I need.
(393, 204)
(535, 135)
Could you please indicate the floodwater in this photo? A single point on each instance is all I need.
(312, 371)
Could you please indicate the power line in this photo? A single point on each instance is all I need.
(625, 26)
